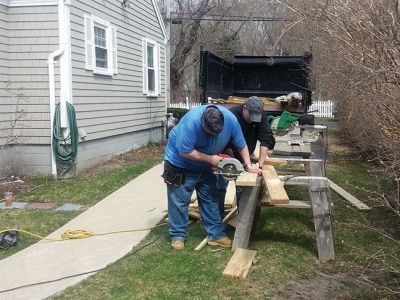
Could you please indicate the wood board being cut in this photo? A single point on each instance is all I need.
(276, 190)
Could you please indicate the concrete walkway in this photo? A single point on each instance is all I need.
(139, 204)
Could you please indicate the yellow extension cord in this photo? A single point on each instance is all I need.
(79, 233)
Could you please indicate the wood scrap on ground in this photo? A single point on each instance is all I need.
(347, 196)
(231, 214)
(240, 263)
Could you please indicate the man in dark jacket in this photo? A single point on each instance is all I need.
(255, 127)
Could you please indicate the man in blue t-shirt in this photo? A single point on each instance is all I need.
(192, 149)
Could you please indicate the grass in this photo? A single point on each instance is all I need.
(284, 240)
(85, 191)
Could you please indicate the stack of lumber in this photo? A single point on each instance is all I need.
(240, 100)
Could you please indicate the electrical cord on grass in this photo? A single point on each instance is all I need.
(133, 251)
(80, 233)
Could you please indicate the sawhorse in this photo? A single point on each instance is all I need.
(320, 203)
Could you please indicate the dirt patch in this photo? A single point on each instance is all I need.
(338, 147)
(126, 159)
(321, 286)
(17, 185)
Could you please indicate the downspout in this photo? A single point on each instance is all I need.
(64, 53)
(65, 60)
(52, 94)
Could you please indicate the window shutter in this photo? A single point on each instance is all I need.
(158, 70)
(144, 53)
(88, 42)
(114, 49)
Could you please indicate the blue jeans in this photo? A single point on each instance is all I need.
(221, 184)
(205, 183)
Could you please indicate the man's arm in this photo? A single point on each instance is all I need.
(263, 155)
(200, 156)
(244, 153)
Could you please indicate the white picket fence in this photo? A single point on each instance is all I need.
(188, 105)
(321, 109)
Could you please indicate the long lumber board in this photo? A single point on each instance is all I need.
(276, 190)
(240, 263)
(247, 179)
(347, 196)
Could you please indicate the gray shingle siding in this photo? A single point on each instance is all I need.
(32, 36)
(4, 53)
(112, 110)
(115, 105)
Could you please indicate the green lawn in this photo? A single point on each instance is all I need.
(284, 240)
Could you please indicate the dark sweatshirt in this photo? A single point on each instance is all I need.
(253, 132)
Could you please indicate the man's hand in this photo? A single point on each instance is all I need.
(215, 159)
(251, 168)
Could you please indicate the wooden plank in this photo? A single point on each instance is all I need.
(292, 204)
(248, 202)
(275, 162)
(194, 196)
(296, 204)
(347, 196)
(225, 220)
(195, 215)
(300, 180)
(275, 187)
(240, 263)
(322, 219)
(230, 196)
(247, 179)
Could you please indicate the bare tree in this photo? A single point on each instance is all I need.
(185, 38)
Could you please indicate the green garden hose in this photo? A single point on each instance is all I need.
(65, 148)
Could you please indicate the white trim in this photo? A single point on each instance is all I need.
(160, 21)
(106, 25)
(156, 67)
(28, 2)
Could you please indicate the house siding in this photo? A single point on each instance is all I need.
(115, 105)
(32, 36)
(112, 110)
(4, 51)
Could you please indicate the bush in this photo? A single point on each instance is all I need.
(177, 112)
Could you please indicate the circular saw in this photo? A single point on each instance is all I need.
(229, 168)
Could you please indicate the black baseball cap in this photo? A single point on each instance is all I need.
(255, 106)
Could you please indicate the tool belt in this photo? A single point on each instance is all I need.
(173, 175)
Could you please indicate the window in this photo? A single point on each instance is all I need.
(151, 76)
(100, 46)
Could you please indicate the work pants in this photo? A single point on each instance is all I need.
(205, 184)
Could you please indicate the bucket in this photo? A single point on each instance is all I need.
(8, 197)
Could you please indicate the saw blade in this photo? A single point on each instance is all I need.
(229, 171)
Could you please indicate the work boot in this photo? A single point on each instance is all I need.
(223, 242)
(178, 245)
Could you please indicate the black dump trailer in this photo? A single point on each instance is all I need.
(263, 76)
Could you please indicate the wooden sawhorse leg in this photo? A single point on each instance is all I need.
(247, 207)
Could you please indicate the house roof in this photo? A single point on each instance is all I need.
(160, 20)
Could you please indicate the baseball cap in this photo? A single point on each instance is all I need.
(255, 106)
(213, 119)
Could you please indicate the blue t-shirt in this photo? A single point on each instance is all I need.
(189, 135)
